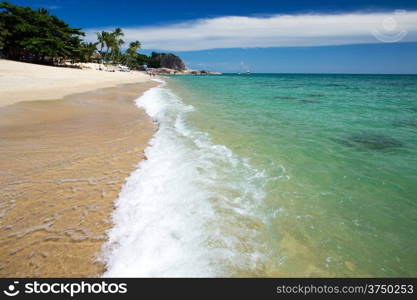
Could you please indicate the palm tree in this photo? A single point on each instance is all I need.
(88, 50)
(132, 51)
(115, 49)
(117, 42)
(118, 32)
(134, 46)
(101, 40)
(112, 42)
(108, 41)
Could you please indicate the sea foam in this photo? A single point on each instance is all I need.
(190, 209)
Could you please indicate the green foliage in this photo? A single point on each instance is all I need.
(154, 61)
(4, 33)
(165, 60)
(131, 53)
(37, 36)
(87, 51)
(141, 60)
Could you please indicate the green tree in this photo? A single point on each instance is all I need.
(36, 35)
(132, 52)
(4, 33)
(105, 39)
(101, 40)
(87, 51)
(154, 60)
(116, 44)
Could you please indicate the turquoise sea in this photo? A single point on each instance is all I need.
(274, 175)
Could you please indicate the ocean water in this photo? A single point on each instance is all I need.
(273, 175)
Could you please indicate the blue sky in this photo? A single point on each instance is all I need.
(194, 31)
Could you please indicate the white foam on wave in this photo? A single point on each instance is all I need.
(190, 209)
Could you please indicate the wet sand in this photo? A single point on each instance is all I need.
(63, 163)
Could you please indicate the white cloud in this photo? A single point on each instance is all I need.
(275, 31)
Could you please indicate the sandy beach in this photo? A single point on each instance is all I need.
(21, 81)
(63, 163)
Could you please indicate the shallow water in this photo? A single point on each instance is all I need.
(273, 175)
(63, 162)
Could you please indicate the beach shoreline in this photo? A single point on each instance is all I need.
(20, 81)
(64, 162)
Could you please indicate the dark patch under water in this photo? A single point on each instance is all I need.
(290, 87)
(405, 123)
(372, 141)
(335, 85)
(284, 97)
(310, 101)
(316, 95)
(413, 109)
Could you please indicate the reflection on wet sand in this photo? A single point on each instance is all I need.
(62, 164)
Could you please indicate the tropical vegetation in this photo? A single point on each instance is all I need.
(37, 36)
